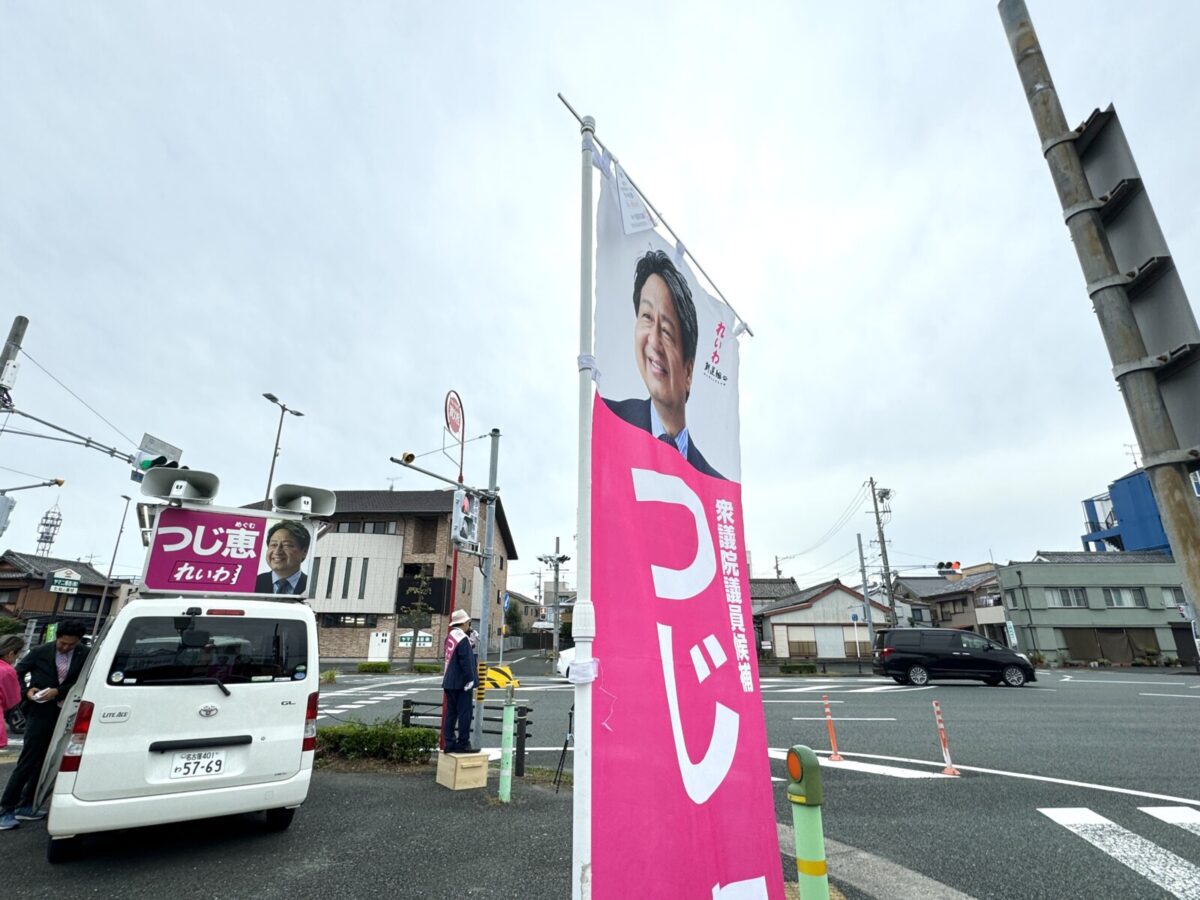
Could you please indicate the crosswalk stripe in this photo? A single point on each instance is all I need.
(1186, 817)
(1172, 873)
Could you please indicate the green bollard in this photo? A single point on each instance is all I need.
(506, 747)
(805, 793)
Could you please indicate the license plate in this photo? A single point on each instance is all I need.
(198, 763)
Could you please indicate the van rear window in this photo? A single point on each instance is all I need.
(233, 649)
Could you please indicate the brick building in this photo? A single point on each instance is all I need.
(369, 558)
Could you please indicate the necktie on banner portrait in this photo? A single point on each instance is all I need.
(681, 792)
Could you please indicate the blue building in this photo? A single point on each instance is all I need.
(1125, 517)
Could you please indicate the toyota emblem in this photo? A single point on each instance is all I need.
(208, 711)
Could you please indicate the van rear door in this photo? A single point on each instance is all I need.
(185, 703)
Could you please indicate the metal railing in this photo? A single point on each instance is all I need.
(413, 710)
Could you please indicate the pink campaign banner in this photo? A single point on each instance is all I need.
(228, 552)
(682, 802)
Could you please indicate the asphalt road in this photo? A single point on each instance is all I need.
(1056, 777)
(1056, 780)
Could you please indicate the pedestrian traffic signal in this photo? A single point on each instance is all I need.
(949, 568)
(464, 526)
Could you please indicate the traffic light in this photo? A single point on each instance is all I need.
(464, 526)
(949, 568)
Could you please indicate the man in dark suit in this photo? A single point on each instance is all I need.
(458, 678)
(664, 345)
(287, 548)
(53, 669)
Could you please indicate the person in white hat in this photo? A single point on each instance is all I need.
(458, 678)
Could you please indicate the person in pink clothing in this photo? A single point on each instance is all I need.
(10, 685)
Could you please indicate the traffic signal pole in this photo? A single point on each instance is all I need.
(1135, 369)
(486, 560)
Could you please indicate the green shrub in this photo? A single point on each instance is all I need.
(798, 668)
(381, 668)
(329, 676)
(9, 625)
(386, 739)
(427, 668)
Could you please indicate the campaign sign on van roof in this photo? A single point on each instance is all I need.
(228, 552)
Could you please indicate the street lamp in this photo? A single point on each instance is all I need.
(555, 560)
(108, 577)
(283, 408)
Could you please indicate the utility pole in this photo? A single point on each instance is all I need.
(486, 560)
(1136, 292)
(862, 568)
(887, 573)
(555, 561)
(778, 573)
(8, 376)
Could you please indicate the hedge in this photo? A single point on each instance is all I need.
(427, 669)
(386, 740)
(798, 668)
(375, 667)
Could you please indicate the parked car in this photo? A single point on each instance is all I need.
(915, 655)
(565, 658)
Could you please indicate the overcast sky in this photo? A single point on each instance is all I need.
(360, 206)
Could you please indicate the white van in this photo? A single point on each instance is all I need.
(188, 708)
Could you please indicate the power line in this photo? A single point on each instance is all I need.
(80, 399)
(19, 472)
(845, 516)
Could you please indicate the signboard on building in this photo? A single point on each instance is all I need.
(229, 551)
(64, 581)
(424, 639)
(1010, 631)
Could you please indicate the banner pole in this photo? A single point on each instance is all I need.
(583, 619)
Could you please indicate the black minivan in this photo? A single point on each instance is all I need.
(914, 655)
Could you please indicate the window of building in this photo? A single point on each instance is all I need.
(349, 527)
(332, 573)
(426, 539)
(859, 650)
(391, 527)
(77, 603)
(802, 641)
(1010, 599)
(377, 527)
(1065, 598)
(362, 580)
(1173, 596)
(335, 620)
(1121, 598)
(346, 579)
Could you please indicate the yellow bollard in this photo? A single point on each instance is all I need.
(806, 796)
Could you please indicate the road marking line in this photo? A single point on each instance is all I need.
(1046, 778)
(1172, 873)
(1186, 817)
(890, 689)
(802, 701)
(1184, 696)
(1075, 680)
(876, 769)
(841, 719)
(808, 689)
(870, 874)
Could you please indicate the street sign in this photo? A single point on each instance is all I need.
(853, 617)
(64, 581)
(1010, 631)
(424, 639)
(506, 601)
(455, 419)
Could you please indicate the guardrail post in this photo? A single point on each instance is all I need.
(406, 713)
(522, 725)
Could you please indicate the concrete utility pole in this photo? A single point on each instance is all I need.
(862, 567)
(9, 354)
(1137, 301)
(887, 573)
(555, 561)
(111, 563)
(486, 559)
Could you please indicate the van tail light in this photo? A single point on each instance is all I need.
(886, 652)
(310, 723)
(74, 752)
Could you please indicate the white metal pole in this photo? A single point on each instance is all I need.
(583, 620)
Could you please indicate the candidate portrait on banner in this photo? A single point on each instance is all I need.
(670, 368)
(664, 347)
